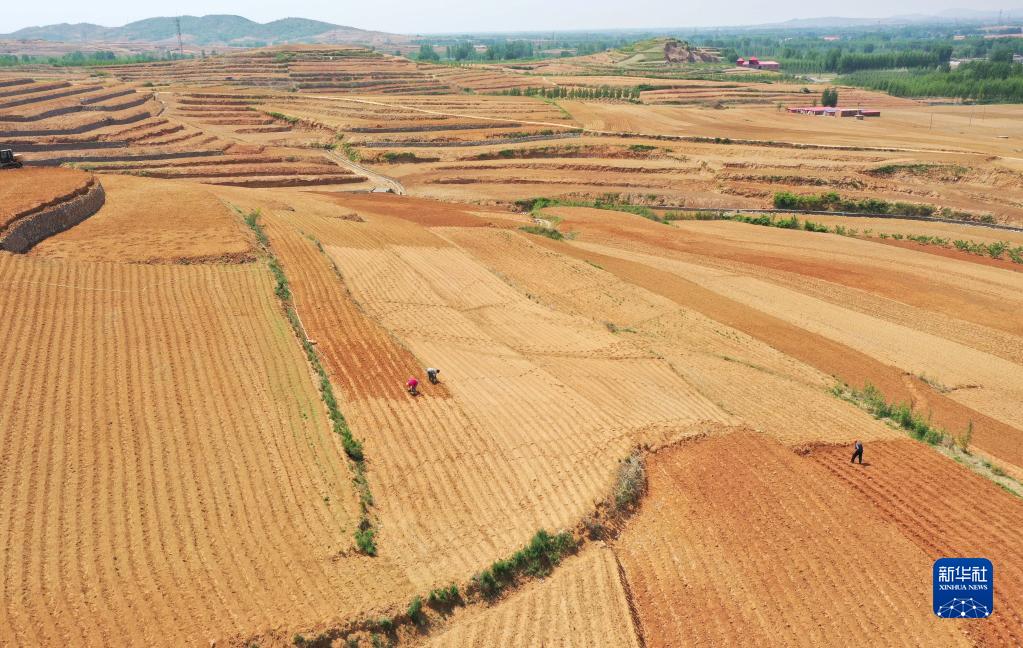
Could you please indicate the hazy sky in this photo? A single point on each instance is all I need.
(424, 16)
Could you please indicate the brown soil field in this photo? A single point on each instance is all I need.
(27, 189)
(290, 233)
(774, 313)
(153, 221)
(449, 317)
(908, 486)
(779, 552)
(583, 604)
(168, 475)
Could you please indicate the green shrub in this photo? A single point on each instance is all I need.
(415, 611)
(405, 156)
(539, 230)
(366, 542)
(536, 559)
(352, 446)
(996, 250)
(444, 597)
(788, 223)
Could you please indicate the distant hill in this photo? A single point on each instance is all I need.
(209, 30)
(945, 17)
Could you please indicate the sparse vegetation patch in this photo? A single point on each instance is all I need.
(365, 534)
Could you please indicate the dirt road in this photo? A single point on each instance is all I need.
(381, 181)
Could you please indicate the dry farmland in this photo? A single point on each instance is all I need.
(217, 274)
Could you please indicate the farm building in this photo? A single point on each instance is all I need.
(835, 112)
(756, 64)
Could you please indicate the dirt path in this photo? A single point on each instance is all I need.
(382, 182)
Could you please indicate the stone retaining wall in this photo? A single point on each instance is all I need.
(21, 235)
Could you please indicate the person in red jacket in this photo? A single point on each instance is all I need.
(412, 386)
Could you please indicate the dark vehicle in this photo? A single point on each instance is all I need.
(8, 160)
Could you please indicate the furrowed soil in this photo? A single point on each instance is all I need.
(944, 510)
(583, 604)
(154, 221)
(779, 552)
(520, 385)
(168, 475)
(949, 379)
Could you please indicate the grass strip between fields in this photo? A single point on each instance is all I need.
(536, 560)
(902, 415)
(365, 539)
(996, 250)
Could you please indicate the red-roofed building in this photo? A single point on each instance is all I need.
(756, 64)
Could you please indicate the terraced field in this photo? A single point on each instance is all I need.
(147, 221)
(673, 400)
(123, 129)
(191, 485)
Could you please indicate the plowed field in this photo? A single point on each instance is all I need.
(945, 511)
(520, 385)
(582, 605)
(777, 552)
(153, 221)
(666, 393)
(26, 189)
(168, 475)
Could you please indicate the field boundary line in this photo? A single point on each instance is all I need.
(637, 625)
(537, 560)
(949, 444)
(365, 533)
(929, 219)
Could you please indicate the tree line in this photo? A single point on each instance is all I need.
(82, 59)
(983, 81)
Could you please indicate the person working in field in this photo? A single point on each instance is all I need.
(412, 386)
(431, 373)
(857, 452)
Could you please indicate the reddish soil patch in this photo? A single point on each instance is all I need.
(362, 358)
(430, 213)
(946, 510)
(779, 552)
